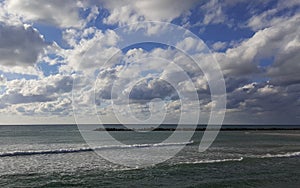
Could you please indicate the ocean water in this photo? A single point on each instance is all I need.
(57, 156)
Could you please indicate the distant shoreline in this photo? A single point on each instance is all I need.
(173, 127)
(198, 129)
(107, 124)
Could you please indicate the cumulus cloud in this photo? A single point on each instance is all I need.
(60, 107)
(190, 43)
(144, 75)
(213, 13)
(219, 46)
(155, 88)
(264, 102)
(35, 95)
(20, 45)
(3, 79)
(61, 13)
(126, 12)
(277, 14)
(279, 41)
(88, 54)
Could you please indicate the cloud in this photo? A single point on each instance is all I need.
(7, 18)
(60, 107)
(280, 41)
(3, 80)
(280, 12)
(219, 45)
(35, 96)
(190, 43)
(143, 75)
(60, 13)
(20, 45)
(286, 66)
(151, 89)
(126, 12)
(264, 102)
(213, 13)
(259, 101)
(88, 54)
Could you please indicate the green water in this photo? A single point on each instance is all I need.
(236, 159)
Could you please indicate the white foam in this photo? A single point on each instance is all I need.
(288, 154)
(211, 161)
(76, 150)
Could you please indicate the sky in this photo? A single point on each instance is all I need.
(142, 61)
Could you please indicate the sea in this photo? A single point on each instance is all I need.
(58, 156)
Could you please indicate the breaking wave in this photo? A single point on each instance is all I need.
(211, 161)
(86, 149)
(281, 155)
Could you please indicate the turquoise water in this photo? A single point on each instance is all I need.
(57, 156)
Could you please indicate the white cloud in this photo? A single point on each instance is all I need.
(190, 43)
(47, 88)
(261, 21)
(279, 41)
(29, 95)
(7, 18)
(88, 54)
(267, 90)
(21, 46)
(130, 12)
(219, 45)
(2, 80)
(61, 13)
(213, 13)
(61, 106)
(278, 14)
(124, 12)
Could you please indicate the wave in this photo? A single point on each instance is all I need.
(281, 155)
(275, 134)
(87, 149)
(43, 152)
(211, 161)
